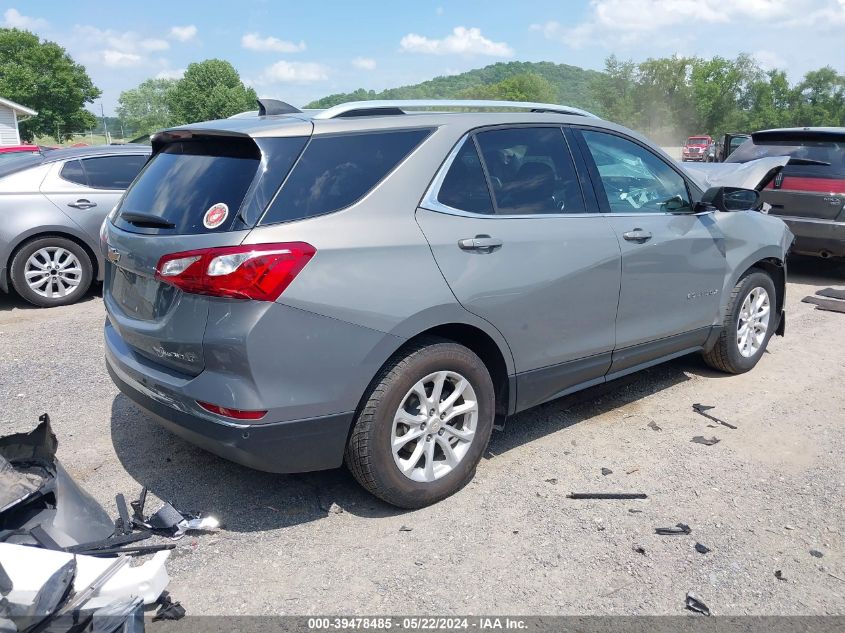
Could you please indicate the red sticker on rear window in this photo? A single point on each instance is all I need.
(215, 216)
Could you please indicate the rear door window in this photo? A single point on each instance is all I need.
(113, 172)
(337, 171)
(531, 171)
(464, 187)
(72, 172)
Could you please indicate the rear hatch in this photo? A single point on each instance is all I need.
(203, 188)
(812, 184)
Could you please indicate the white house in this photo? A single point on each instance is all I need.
(11, 114)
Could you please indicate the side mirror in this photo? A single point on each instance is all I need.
(730, 199)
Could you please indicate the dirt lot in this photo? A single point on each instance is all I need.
(511, 542)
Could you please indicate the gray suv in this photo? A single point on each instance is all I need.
(377, 286)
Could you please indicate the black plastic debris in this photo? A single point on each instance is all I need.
(607, 495)
(654, 427)
(606, 471)
(634, 510)
(701, 548)
(639, 549)
(551, 480)
(816, 553)
(680, 528)
(694, 603)
(166, 518)
(707, 441)
(832, 293)
(405, 528)
(702, 409)
(779, 575)
(168, 610)
(828, 305)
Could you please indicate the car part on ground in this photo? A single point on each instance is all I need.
(60, 553)
(53, 204)
(264, 279)
(702, 409)
(828, 305)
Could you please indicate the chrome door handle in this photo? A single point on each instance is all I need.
(480, 244)
(637, 235)
(82, 203)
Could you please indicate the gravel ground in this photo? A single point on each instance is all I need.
(510, 542)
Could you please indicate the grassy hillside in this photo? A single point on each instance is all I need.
(571, 83)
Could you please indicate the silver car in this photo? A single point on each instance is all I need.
(53, 205)
(378, 286)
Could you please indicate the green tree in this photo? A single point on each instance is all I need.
(723, 92)
(42, 76)
(821, 98)
(524, 87)
(146, 109)
(211, 89)
(615, 90)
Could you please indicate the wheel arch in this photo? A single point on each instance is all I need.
(82, 242)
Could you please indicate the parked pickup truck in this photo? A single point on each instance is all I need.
(698, 148)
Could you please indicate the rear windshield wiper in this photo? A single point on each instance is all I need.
(807, 161)
(147, 220)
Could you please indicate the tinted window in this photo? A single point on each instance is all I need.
(634, 179)
(72, 172)
(464, 186)
(531, 171)
(112, 172)
(336, 171)
(812, 158)
(186, 178)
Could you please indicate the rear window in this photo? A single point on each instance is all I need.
(822, 158)
(336, 171)
(186, 179)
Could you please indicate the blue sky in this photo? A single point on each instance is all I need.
(301, 51)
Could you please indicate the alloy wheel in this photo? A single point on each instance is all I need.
(53, 272)
(753, 322)
(434, 426)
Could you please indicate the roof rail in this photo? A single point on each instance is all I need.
(391, 107)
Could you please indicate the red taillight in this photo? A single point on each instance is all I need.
(249, 271)
(235, 414)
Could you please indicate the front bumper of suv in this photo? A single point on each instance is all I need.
(280, 447)
(815, 236)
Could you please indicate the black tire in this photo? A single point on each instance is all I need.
(18, 271)
(725, 355)
(369, 455)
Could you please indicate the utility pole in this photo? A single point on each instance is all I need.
(105, 127)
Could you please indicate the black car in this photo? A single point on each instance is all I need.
(809, 194)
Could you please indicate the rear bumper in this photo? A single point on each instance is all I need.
(815, 236)
(280, 447)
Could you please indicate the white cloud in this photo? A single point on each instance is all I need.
(769, 60)
(254, 42)
(115, 49)
(462, 41)
(171, 74)
(120, 59)
(14, 19)
(364, 63)
(293, 72)
(183, 33)
(623, 22)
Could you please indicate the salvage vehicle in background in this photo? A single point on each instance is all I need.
(730, 144)
(697, 148)
(53, 204)
(809, 194)
(376, 286)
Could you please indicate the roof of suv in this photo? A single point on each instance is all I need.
(800, 134)
(370, 115)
